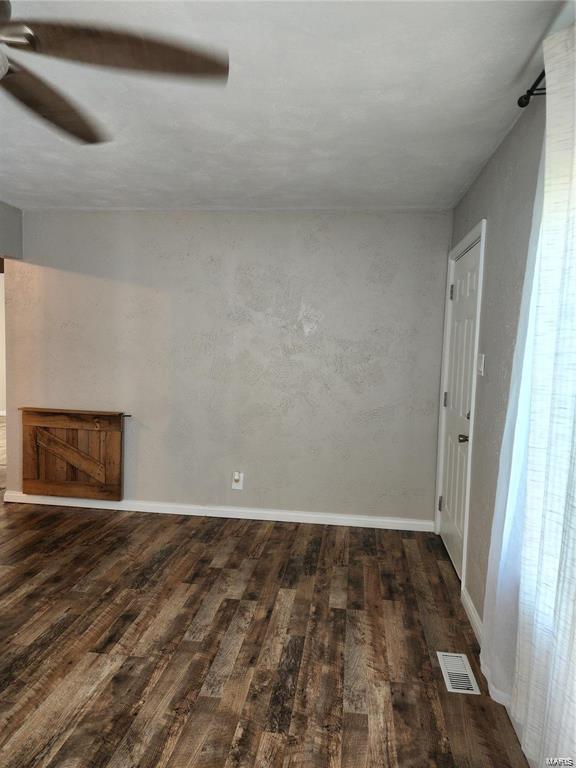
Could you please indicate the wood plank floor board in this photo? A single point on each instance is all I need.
(420, 732)
(154, 641)
(282, 698)
(354, 740)
(104, 724)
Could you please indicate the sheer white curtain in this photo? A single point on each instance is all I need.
(529, 642)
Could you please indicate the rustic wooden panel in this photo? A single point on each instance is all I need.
(41, 464)
(72, 440)
(83, 436)
(112, 456)
(57, 463)
(72, 453)
(30, 468)
(72, 420)
(65, 452)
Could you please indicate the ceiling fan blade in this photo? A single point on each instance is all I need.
(5, 10)
(114, 48)
(46, 102)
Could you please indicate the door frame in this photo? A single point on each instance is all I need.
(475, 236)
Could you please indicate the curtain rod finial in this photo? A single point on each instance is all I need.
(524, 100)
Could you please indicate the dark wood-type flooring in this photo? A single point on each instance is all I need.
(146, 640)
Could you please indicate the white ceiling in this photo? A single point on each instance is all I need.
(329, 105)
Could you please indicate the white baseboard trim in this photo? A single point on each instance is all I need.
(243, 513)
(472, 614)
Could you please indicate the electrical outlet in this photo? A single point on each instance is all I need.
(237, 481)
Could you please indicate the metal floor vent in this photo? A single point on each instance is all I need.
(457, 672)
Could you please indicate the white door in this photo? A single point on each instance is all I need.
(458, 392)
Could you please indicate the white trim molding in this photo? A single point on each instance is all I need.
(472, 614)
(242, 513)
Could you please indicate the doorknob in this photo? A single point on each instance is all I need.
(462, 438)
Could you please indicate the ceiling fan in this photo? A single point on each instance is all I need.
(88, 44)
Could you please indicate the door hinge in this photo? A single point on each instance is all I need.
(445, 400)
(440, 499)
(452, 292)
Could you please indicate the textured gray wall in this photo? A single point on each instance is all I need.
(10, 232)
(504, 195)
(303, 349)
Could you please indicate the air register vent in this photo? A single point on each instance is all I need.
(457, 672)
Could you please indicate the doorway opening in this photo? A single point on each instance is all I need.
(461, 365)
(2, 385)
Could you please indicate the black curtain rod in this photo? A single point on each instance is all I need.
(534, 90)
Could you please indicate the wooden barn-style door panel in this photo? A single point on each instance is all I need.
(72, 453)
